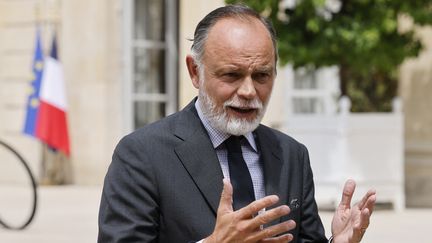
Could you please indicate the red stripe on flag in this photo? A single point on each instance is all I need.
(51, 127)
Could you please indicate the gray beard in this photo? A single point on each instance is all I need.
(218, 118)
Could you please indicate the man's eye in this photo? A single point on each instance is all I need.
(232, 75)
(261, 76)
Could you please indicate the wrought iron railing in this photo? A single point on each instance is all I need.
(33, 183)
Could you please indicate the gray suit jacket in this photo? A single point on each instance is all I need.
(165, 181)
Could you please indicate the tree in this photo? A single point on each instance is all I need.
(363, 37)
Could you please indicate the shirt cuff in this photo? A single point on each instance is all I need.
(331, 239)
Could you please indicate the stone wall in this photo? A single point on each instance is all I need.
(17, 34)
(91, 37)
(415, 89)
(89, 40)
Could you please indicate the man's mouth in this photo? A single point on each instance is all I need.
(243, 110)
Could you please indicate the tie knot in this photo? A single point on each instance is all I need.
(233, 144)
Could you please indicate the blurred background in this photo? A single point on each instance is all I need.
(353, 85)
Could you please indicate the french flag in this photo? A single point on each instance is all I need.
(50, 120)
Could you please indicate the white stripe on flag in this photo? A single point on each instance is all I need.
(52, 87)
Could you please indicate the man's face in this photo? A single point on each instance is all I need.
(238, 73)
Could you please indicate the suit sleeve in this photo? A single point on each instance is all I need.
(311, 230)
(129, 205)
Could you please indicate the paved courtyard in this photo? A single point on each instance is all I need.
(68, 214)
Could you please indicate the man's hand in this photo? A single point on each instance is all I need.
(350, 223)
(242, 226)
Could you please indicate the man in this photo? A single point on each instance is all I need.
(165, 182)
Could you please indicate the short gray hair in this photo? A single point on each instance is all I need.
(229, 11)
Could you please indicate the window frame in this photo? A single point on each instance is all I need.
(170, 47)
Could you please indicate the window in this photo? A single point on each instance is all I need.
(306, 80)
(313, 91)
(150, 41)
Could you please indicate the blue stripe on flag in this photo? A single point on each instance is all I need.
(33, 99)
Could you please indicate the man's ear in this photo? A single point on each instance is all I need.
(193, 70)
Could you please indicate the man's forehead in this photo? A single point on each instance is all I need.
(237, 20)
(241, 65)
(239, 37)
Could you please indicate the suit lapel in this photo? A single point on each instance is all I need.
(271, 157)
(270, 153)
(198, 156)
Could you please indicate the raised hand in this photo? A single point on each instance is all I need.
(242, 226)
(350, 223)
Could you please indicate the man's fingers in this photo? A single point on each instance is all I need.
(365, 216)
(347, 193)
(283, 238)
(254, 207)
(270, 232)
(370, 204)
(225, 204)
(368, 200)
(269, 216)
(360, 227)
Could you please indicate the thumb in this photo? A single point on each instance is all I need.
(225, 204)
(347, 193)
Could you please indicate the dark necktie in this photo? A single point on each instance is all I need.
(243, 192)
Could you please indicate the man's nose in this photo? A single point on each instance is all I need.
(247, 89)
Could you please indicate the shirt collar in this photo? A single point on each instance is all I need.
(217, 137)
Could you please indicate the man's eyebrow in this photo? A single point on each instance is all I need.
(236, 68)
(266, 68)
(229, 68)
